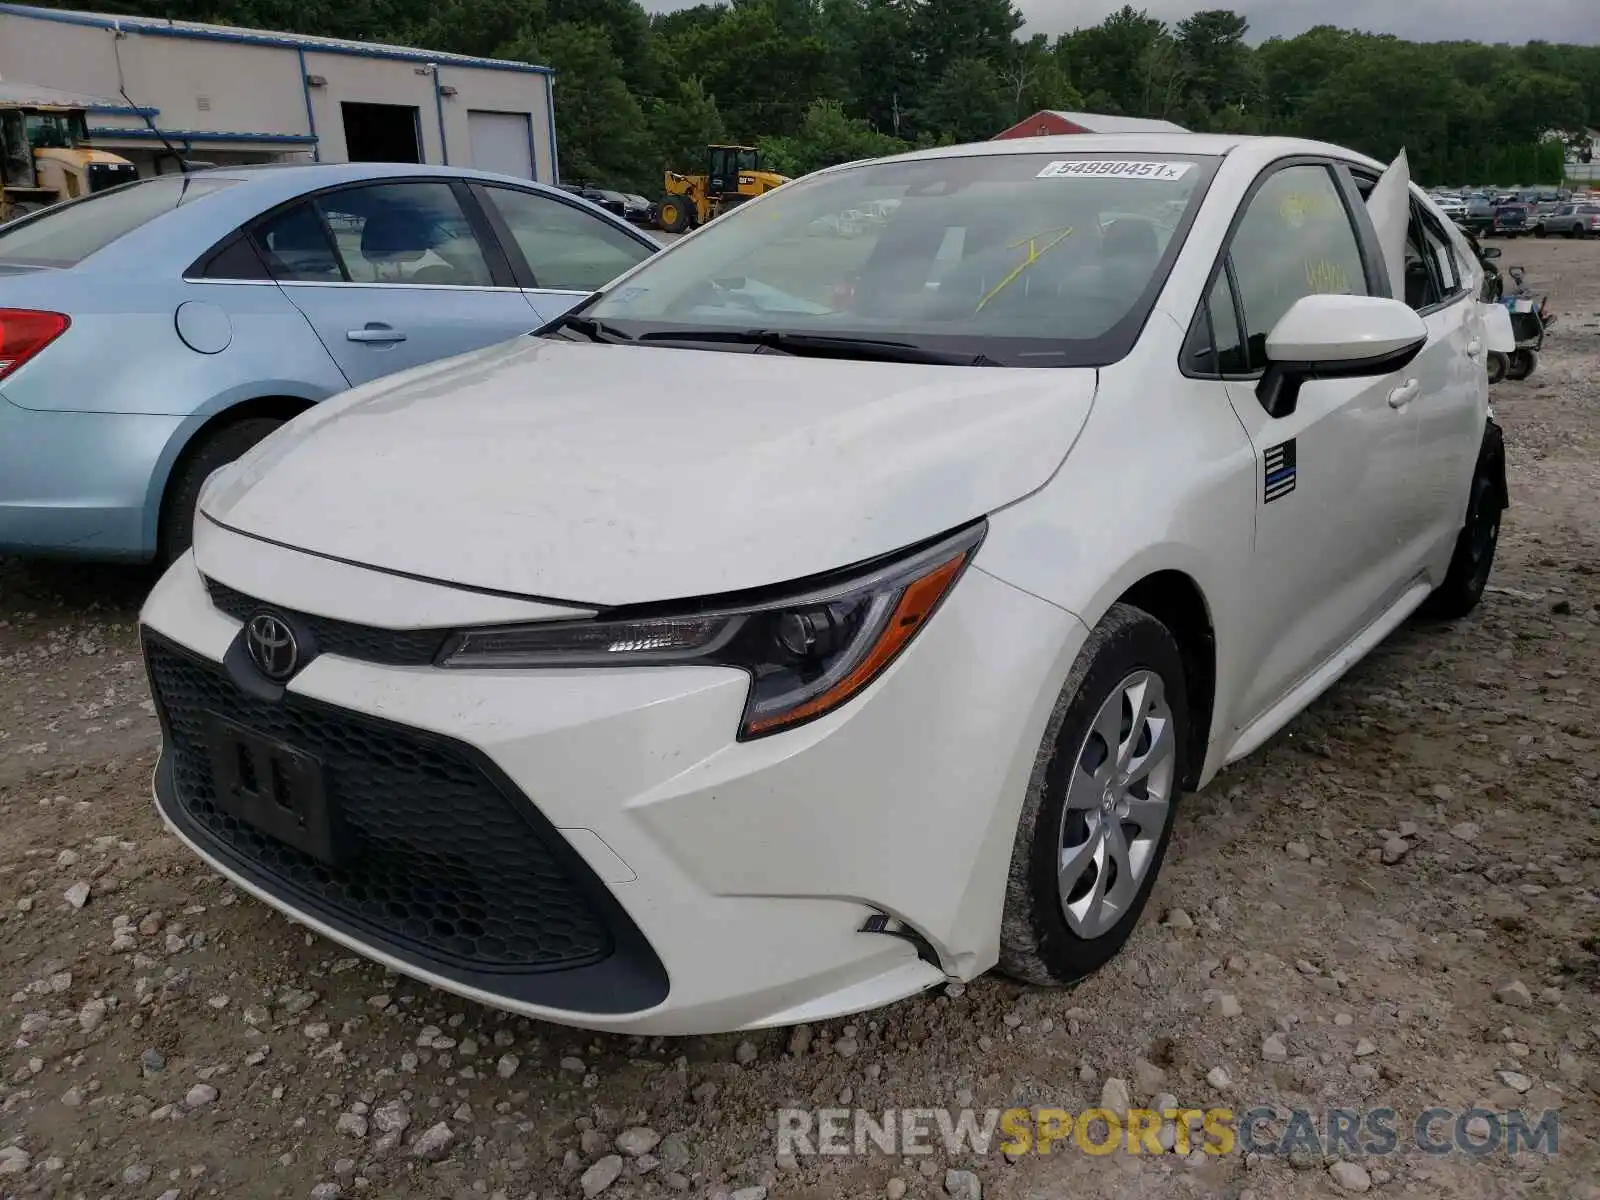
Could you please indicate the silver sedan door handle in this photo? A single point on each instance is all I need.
(1405, 393)
(1474, 348)
(375, 333)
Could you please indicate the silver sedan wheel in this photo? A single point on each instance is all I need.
(1119, 798)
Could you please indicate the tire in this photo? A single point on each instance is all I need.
(1497, 366)
(1038, 944)
(216, 448)
(1540, 232)
(673, 215)
(1521, 364)
(1473, 559)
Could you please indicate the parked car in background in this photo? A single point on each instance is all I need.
(1510, 220)
(1479, 216)
(611, 201)
(1452, 206)
(620, 700)
(637, 210)
(1570, 220)
(151, 333)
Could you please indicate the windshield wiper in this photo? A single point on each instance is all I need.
(825, 345)
(589, 327)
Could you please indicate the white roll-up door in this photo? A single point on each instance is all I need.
(502, 142)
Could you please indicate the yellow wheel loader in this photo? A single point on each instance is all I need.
(733, 175)
(45, 156)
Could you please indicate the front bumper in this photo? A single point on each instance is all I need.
(78, 483)
(730, 880)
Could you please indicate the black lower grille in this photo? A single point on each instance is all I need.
(450, 868)
(391, 647)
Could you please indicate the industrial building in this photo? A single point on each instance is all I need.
(229, 96)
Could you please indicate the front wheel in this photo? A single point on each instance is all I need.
(1497, 366)
(1521, 364)
(673, 215)
(1473, 559)
(1099, 809)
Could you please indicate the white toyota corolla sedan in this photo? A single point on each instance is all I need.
(826, 609)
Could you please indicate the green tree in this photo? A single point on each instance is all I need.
(969, 102)
(1219, 73)
(682, 126)
(602, 132)
(826, 137)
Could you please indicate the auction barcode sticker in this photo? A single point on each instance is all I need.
(1114, 168)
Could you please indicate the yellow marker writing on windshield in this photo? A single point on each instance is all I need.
(1035, 253)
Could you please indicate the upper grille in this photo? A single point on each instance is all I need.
(389, 647)
(449, 866)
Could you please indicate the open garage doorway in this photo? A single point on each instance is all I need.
(381, 133)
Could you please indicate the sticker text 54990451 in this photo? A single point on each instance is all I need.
(1115, 168)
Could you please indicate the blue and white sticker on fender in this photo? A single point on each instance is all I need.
(1280, 469)
(1114, 168)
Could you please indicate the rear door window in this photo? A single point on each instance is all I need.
(405, 233)
(66, 234)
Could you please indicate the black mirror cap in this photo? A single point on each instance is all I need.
(1279, 388)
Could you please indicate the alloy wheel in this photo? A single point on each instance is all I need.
(1119, 799)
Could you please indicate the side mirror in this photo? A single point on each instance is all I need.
(1489, 252)
(1336, 337)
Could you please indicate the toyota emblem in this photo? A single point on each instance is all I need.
(272, 646)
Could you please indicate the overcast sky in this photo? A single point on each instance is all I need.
(1424, 20)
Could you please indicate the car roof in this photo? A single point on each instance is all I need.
(254, 189)
(1262, 149)
(291, 178)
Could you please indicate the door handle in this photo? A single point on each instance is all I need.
(1405, 393)
(375, 333)
(1474, 348)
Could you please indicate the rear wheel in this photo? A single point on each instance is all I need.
(674, 215)
(1099, 810)
(204, 455)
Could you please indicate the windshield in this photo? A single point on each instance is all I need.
(1027, 259)
(56, 130)
(66, 234)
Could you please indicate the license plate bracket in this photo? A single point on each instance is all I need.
(275, 788)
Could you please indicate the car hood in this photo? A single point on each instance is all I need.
(606, 475)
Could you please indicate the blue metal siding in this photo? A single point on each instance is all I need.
(201, 135)
(281, 41)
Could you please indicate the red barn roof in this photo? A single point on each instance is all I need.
(1049, 121)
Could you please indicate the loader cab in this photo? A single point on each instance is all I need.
(726, 164)
(51, 129)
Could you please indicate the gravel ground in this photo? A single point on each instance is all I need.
(1395, 903)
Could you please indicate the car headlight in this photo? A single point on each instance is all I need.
(807, 652)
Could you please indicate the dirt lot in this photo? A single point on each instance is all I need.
(171, 1038)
